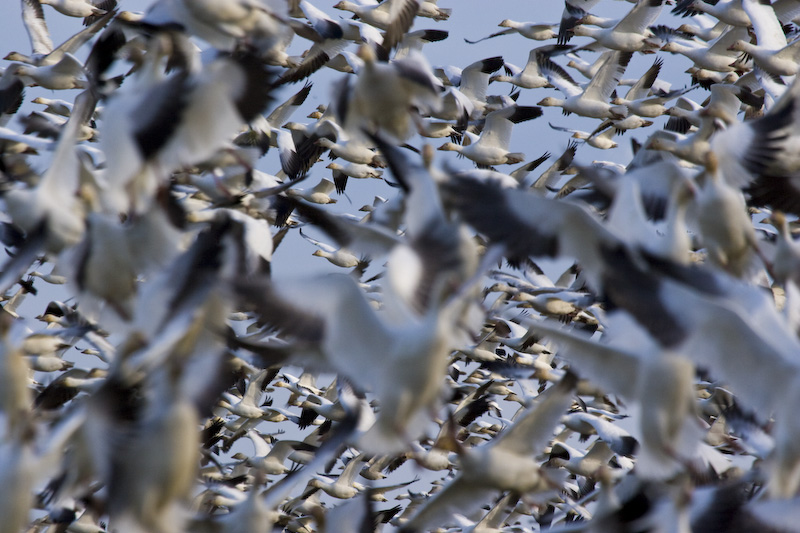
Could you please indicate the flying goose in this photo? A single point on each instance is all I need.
(190, 115)
(529, 30)
(491, 148)
(384, 94)
(593, 100)
(641, 100)
(772, 53)
(663, 384)
(631, 33)
(43, 51)
(506, 463)
(534, 74)
(80, 8)
(716, 55)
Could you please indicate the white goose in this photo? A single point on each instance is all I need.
(772, 53)
(385, 93)
(530, 30)
(641, 100)
(716, 56)
(630, 34)
(534, 74)
(593, 100)
(505, 463)
(491, 148)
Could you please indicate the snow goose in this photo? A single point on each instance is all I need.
(704, 27)
(328, 38)
(35, 25)
(635, 367)
(415, 349)
(506, 463)
(574, 11)
(724, 223)
(415, 40)
(384, 94)
(224, 23)
(472, 86)
(593, 100)
(394, 16)
(586, 424)
(786, 257)
(430, 9)
(720, 321)
(730, 12)
(579, 463)
(190, 115)
(630, 34)
(340, 257)
(772, 53)
(492, 146)
(551, 228)
(78, 8)
(716, 56)
(602, 141)
(269, 456)
(534, 74)
(67, 73)
(351, 170)
(352, 150)
(640, 99)
(43, 51)
(51, 209)
(769, 165)
(529, 30)
(319, 194)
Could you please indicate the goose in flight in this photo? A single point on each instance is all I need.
(492, 147)
(631, 33)
(506, 463)
(592, 101)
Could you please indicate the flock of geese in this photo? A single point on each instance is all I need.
(594, 346)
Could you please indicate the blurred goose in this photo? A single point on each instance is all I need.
(43, 51)
(50, 214)
(730, 12)
(394, 16)
(772, 53)
(67, 73)
(384, 94)
(579, 463)
(661, 382)
(506, 463)
(193, 112)
(270, 459)
(724, 223)
(78, 8)
(415, 40)
(223, 23)
(351, 170)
